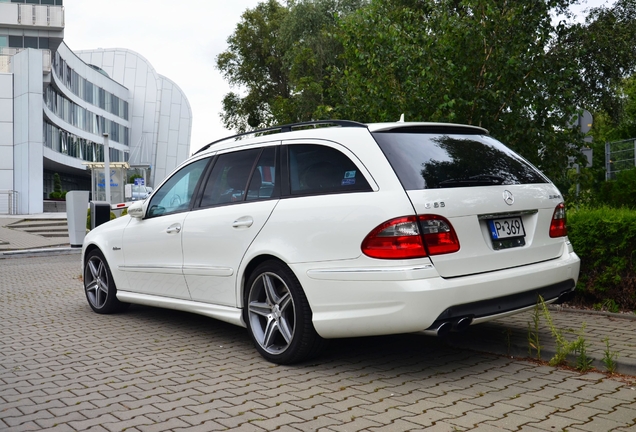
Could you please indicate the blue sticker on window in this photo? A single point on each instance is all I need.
(350, 174)
(348, 181)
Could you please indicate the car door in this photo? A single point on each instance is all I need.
(153, 258)
(238, 198)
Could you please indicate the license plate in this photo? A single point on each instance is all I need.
(506, 228)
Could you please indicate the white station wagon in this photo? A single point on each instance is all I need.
(320, 232)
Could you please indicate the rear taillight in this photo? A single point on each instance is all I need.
(401, 238)
(395, 239)
(439, 235)
(558, 226)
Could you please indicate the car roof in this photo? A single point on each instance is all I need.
(274, 133)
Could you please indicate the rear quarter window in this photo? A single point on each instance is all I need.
(317, 169)
(437, 160)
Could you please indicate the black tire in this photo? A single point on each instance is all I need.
(278, 315)
(99, 285)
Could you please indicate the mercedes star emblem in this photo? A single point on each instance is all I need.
(508, 198)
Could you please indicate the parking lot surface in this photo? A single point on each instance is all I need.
(63, 367)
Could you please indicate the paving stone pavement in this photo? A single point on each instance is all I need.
(12, 238)
(65, 368)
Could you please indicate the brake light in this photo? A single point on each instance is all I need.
(401, 238)
(395, 239)
(558, 226)
(439, 235)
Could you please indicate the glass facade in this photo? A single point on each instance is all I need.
(68, 144)
(86, 90)
(84, 119)
(70, 182)
(44, 2)
(28, 42)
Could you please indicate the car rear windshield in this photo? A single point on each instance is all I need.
(447, 160)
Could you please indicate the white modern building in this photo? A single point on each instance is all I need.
(56, 104)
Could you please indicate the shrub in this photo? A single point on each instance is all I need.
(620, 192)
(57, 183)
(132, 178)
(88, 218)
(605, 240)
(57, 193)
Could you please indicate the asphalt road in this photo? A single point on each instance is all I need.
(63, 367)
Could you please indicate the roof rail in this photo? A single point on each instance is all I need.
(287, 128)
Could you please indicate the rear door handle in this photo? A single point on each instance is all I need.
(243, 222)
(174, 228)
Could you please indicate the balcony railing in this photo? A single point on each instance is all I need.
(7, 53)
(43, 16)
(8, 202)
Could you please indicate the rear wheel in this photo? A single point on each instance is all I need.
(99, 285)
(278, 315)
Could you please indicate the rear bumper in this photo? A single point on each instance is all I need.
(411, 296)
(480, 311)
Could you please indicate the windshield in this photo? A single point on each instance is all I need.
(434, 160)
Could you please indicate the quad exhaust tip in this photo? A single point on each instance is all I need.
(462, 324)
(446, 327)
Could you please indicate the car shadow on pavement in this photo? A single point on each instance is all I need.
(380, 352)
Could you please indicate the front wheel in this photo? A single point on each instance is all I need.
(278, 315)
(99, 285)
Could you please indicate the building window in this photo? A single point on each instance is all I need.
(16, 42)
(66, 143)
(44, 2)
(82, 118)
(30, 42)
(89, 92)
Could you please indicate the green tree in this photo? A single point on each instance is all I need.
(254, 62)
(57, 193)
(520, 69)
(505, 66)
(279, 59)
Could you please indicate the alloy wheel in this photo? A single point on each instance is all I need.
(271, 313)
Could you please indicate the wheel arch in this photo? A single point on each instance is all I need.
(249, 268)
(90, 248)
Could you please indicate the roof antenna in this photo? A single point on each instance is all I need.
(401, 120)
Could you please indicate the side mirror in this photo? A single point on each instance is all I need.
(136, 209)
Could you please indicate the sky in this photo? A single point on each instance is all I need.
(181, 40)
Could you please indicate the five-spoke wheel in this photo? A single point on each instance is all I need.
(99, 285)
(278, 315)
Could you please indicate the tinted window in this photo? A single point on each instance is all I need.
(315, 169)
(263, 182)
(16, 42)
(30, 42)
(175, 194)
(432, 160)
(229, 178)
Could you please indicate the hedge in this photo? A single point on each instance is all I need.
(605, 240)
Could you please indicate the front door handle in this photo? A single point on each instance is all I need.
(174, 228)
(243, 222)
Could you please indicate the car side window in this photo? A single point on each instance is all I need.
(317, 169)
(263, 181)
(175, 195)
(228, 181)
